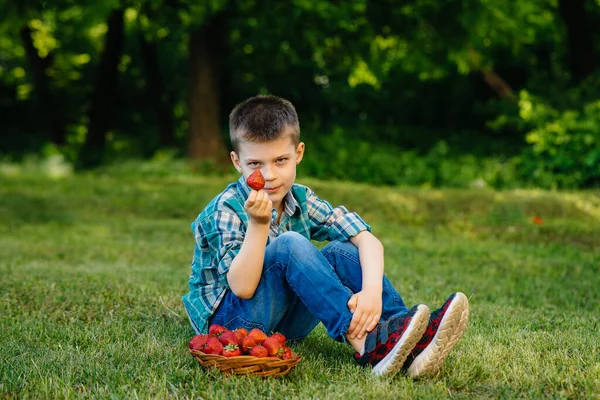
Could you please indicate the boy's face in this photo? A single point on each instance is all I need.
(277, 162)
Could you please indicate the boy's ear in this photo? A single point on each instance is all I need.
(236, 161)
(299, 152)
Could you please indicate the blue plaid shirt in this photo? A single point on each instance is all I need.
(219, 233)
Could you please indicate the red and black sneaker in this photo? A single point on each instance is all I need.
(446, 326)
(388, 345)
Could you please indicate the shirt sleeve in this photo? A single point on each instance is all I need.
(328, 223)
(221, 234)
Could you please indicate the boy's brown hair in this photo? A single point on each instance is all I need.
(261, 119)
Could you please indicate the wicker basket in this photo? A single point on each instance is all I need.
(242, 365)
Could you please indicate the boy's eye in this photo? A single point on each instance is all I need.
(253, 163)
(280, 160)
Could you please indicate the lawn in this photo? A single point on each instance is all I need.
(93, 267)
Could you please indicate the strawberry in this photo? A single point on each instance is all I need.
(258, 335)
(280, 338)
(198, 342)
(240, 333)
(287, 354)
(273, 347)
(256, 181)
(259, 351)
(216, 330)
(228, 337)
(231, 350)
(247, 344)
(213, 346)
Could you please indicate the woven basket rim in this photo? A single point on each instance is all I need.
(247, 365)
(244, 357)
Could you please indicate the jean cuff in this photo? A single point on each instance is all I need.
(344, 330)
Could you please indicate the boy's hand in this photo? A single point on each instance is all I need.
(366, 306)
(259, 207)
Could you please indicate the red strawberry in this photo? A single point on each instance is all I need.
(228, 337)
(213, 346)
(287, 354)
(240, 333)
(247, 344)
(273, 347)
(280, 338)
(231, 350)
(258, 335)
(216, 330)
(256, 181)
(259, 351)
(198, 342)
(243, 330)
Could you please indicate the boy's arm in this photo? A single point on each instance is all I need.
(367, 304)
(328, 223)
(246, 268)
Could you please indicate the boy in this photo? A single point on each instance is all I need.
(255, 267)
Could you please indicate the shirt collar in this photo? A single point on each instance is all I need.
(290, 204)
(243, 188)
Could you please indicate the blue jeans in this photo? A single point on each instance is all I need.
(301, 286)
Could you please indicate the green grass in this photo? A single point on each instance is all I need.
(93, 266)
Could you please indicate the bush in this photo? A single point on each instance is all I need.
(564, 146)
(335, 156)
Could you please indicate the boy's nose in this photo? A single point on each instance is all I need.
(268, 173)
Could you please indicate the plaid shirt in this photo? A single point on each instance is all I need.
(219, 232)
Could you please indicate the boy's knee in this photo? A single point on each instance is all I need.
(292, 244)
(292, 239)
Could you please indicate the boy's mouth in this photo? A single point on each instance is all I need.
(272, 190)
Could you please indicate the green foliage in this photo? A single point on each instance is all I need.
(564, 144)
(393, 67)
(341, 157)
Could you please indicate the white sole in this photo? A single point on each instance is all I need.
(452, 327)
(394, 360)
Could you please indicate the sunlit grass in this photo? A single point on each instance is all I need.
(93, 266)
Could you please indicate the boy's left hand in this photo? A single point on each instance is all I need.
(366, 306)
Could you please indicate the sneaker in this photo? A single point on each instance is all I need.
(388, 345)
(446, 326)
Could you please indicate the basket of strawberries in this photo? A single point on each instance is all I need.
(241, 352)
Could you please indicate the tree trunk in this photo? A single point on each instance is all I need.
(156, 91)
(105, 91)
(205, 141)
(579, 38)
(41, 82)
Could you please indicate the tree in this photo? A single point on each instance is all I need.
(105, 90)
(148, 43)
(49, 109)
(206, 43)
(579, 38)
(39, 62)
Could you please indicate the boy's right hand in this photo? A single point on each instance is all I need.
(259, 207)
(352, 303)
